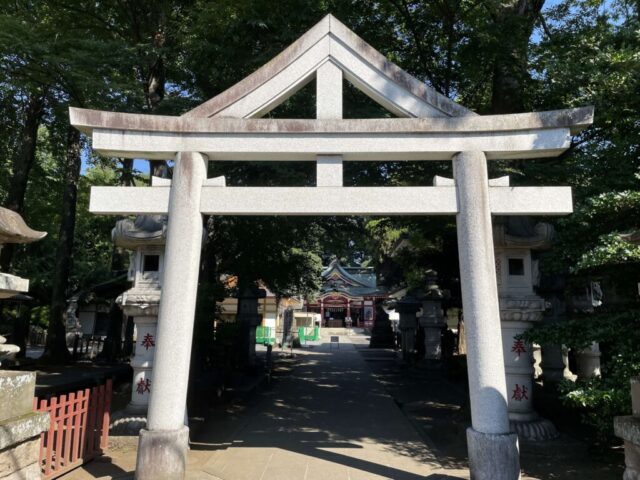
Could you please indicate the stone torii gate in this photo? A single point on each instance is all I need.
(433, 127)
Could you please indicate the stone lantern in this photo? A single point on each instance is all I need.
(13, 229)
(145, 238)
(432, 321)
(21, 426)
(520, 308)
(407, 309)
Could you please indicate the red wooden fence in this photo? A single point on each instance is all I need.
(79, 429)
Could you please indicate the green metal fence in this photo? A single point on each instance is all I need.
(266, 335)
(308, 334)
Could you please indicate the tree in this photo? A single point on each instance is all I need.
(22, 162)
(62, 63)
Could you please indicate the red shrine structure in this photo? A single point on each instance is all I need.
(348, 296)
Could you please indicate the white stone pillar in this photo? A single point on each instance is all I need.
(162, 449)
(493, 450)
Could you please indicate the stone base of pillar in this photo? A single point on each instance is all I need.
(536, 430)
(493, 456)
(162, 454)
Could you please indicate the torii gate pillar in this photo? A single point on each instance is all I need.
(162, 448)
(492, 449)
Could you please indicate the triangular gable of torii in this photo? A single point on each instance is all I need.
(329, 47)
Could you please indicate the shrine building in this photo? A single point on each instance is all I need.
(347, 293)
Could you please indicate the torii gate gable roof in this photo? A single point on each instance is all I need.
(329, 41)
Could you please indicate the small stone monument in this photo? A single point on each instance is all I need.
(145, 237)
(407, 309)
(628, 429)
(20, 426)
(432, 321)
(514, 239)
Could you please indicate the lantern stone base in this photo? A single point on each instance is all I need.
(162, 454)
(128, 422)
(536, 430)
(493, 456)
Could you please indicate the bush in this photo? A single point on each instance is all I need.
(598, 399)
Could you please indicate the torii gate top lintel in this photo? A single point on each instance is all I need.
(434, 127)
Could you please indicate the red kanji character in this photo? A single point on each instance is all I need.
(144, 385)
(147, 341)
(518, 346)
(520, 393)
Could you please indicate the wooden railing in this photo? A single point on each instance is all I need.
(79, 428)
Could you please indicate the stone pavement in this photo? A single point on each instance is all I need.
(335, 414)
(327, 419)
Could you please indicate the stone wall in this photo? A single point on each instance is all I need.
(20, 426)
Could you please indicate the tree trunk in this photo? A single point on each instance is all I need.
(21, 330)
(514, 21)
(23, 160)
(56, 347)
(126, 179)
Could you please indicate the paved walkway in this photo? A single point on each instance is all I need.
(327, 419)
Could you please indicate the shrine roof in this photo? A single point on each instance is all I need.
(350, 281)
